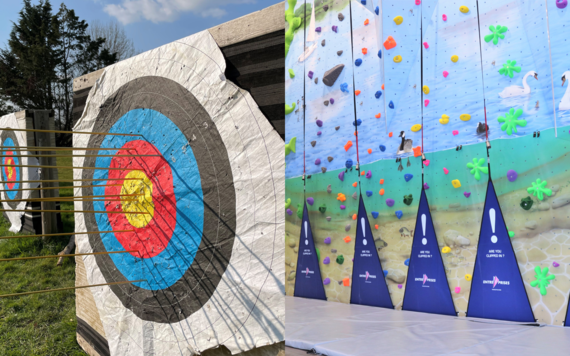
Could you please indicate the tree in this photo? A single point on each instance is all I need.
(116, 40)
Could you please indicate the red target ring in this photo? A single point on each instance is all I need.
(10, 169)
(152, 232)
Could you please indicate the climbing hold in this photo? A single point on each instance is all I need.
(497, 33)
(354, 216)
(378, 115)
(329, 187)
(512, 175)
(477, 167)
(446, 249)
(543, 279)
(340, 259)
(375, 214)
(338, 53)
(444, 17)
(289, 109)
(330, 159)
(287, 203)
(418, 2)
(323, 42)
(323, 208)
(511, 121)
(290, 147)
(391, 106)
(464, 9)
(390, 202)
(332, 75)
(369, 150)
(300, 211)
(445, 73)
(317, 161)
(369, 193)
(390, 43)
(358, 62)
(319, 123)
(397, 59)
(310, 74)
(408, 199)
(417, 151)
(511, 233)
(398, 20)
(426, 186)
(323, 169)
(342, 207)
(445, 170)
(407, 262)
(341, 176)
(326, 102)
(426, 162)
(347, 239)
(467, 194)
(454, 58)
(382, 148)
(468, 277)
(291, 73)
(456, 183)
(377, 10)
(382, 86)
(376, 226)
(465, 117)
(400, 286)
(366, 22)
(357, 92)
(347, 228)
(509, 68)
(327, 260)
(328, 240)
(347, 146)
(313, 143)
(455, 132)
(561, 4)
(369, 174)
(346, 281)
(332, 101)
(457, 290)
(381, 192)
(408, 176)
(328, 218)
(444, 119)
(526, 203)
(318, 29)
(335, 28)
(362, 173)
(379, 53)
(399, 214)
(426, 102)
(355, 184)
(555, 264)
(310, 200)
(382, 181)
(365, 51)
(416, 127)
(538, 189)
(425, 89)
(340, 16)
(289, 212)
(426, 45)
(344, 87)
(327, 281)
(348, 163)
(378, 94)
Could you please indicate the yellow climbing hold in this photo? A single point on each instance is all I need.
(416, 127)
(398, 59)
(465, 117)
(456, 183)
(454, 58)
(446, 249)
(468, 277)
(444, 119)
(425, 89)
(398, 20)
(464, 9)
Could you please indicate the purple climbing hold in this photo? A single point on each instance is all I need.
(467, 194)
(319, 123)
(319, 133)
(310, 200)
(426, 186)
(310, 74)
(328, 240)
(555, 264)
(512, 175)
(332, 101)
(327, 281)
(318, 29)
(369, 174)
(342, 207)
(335, 28)
(390, 202)
(341, 176)
(561, 4)
(327, 260)
(289, 212)
(317, 161)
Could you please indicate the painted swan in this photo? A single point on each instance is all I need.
(515, 90)
(565, 102)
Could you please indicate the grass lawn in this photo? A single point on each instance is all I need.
(39, 324)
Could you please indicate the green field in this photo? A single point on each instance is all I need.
(39, 324)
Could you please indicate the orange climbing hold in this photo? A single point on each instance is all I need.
(378, 115)
(381, 191)
(341, 197)
(355, 184)
(382, 86)
(346, 281)
(354, 216)
(366, 22)
(369, 152)
(357, 92)
(390, 134)
(362, 173)
(376, 226)
(355, 133)
(348, 145)
(382, 181)
(390, 43)
(347, 239)
(364, 50)
(417, 151)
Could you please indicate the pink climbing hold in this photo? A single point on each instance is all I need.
(444, 17)
(455, 132)
(457, 290)
(426, 162)
(399, 286)
(426, 45)
(426, 102)
(445, 170)
(555, 264)
(445, 73)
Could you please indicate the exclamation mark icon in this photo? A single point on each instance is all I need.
(424, 240)
(363, 231)
(492, 217)
(306, 234)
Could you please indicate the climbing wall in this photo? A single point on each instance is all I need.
(447, 74)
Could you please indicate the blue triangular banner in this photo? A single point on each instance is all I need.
(308, 281)
(427, 289)
(368, 282)
(567, 320)
(497, 289)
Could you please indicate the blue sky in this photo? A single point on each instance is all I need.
(149, 23)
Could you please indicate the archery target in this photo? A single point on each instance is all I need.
(13, 173)
(209, 246)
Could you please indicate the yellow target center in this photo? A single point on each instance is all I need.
(136, 198)
(10, 169)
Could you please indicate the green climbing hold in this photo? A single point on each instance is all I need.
(507, 69)
(511, 234)
(408, 199)
(289, 109)
(340, 259)
(538, 189)
(292, 73)
(477, 167)
(526, 203)
(291, 146)
(542, 279)
(287, 203)
(497, 32)
(318, 254)
(300, 211)
(511, 121)
(294, 23)
(323, 208)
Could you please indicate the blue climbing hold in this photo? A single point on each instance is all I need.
(357, 122)
(377, 10)
(368, 193)
(363, 2)
(378, 94)
(348, 163)
(385, 273)
(407, 262)
(344, 87)
(375, 214)
(399, 214)
(358, 62)
(391, 105)
(380, 54)
(408, 177)
(382, 148)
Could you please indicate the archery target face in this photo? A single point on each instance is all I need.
(11, 170)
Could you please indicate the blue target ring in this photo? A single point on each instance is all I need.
(11, 192)
(166, 268)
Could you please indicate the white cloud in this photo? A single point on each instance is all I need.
(129, 11)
